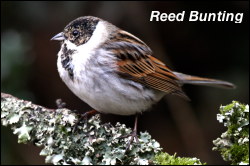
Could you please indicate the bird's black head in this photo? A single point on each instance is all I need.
(78, 31)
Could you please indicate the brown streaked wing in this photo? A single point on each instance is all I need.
(135, 58)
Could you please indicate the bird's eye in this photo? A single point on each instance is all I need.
(75, 33)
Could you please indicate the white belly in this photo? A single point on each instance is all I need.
(105, 92)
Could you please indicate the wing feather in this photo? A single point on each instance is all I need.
(135, 59)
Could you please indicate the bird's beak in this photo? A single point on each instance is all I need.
(59, 36)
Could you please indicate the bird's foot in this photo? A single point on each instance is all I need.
(84, 118)
(133, 136)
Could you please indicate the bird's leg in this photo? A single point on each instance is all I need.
(60, 104)
(84, 116)
(133, 134)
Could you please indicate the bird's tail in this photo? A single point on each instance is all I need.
(188, 79)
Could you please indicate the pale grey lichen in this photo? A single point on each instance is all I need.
(66, 142)
(234, 143)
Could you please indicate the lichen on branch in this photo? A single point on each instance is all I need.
(68, 139)
(234, 143)
(66, 142)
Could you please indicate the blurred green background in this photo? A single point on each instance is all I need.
(213, 49)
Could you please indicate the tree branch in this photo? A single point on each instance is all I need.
(68, 142)
(66, 139)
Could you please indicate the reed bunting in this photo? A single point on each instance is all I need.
(115, 72)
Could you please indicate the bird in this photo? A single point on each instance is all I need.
(115, 72)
